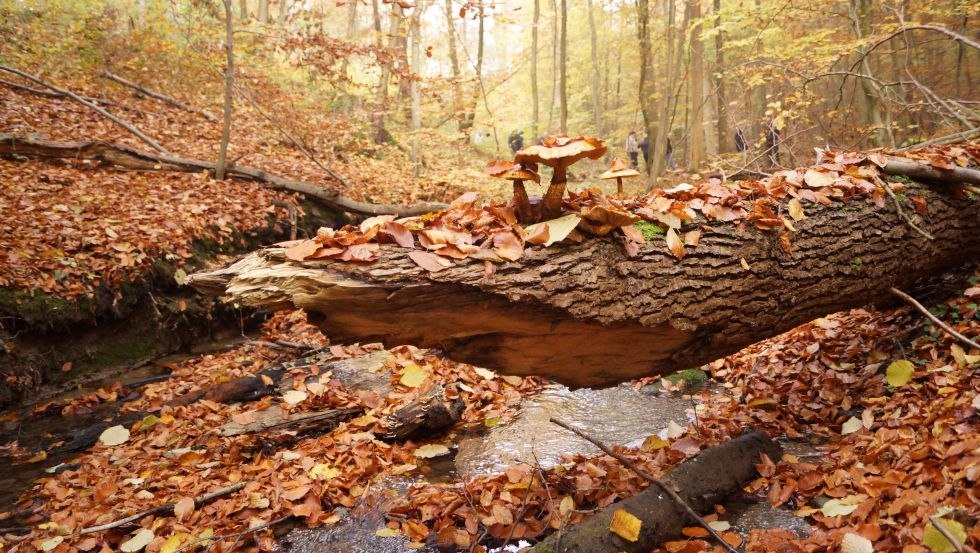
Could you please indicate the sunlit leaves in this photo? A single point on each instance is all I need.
(413, 376)
(625, 525)
(899, 373)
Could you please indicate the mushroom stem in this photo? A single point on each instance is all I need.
(551, 204)
(619, 185)
(522, 204)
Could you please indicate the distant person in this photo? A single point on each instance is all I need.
(516, 141)
(772, 142)
(645, 150)
(632, 149)
(669, 155)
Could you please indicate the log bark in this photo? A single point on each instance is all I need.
(131, 158)
(702, 481)
(588, 315)
(160, 96)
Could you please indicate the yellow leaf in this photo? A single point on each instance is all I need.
(796, 210)
(48, 545)
(174, 542)
(413, 376)
(323, 471)
(625, 525)
(899, 373)
(934, 540)
(41, 456)
(137, 542)
(837, 507)
(429, 451)
(558, 229)
(653, 443)
(675, 245)
(566, 506)
(745, 264)
(388, 533)
(958, 354)
(167, 419)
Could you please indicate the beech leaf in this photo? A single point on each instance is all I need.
(137, 542)
(937, 542)
(899, 373)
(114, 435)
(294, 397)
(184, 508)
(625, 525)
(851, 426)
(413, 376)
(854, 543)
(674, 244)
(429, 451)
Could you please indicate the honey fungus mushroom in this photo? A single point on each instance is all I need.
(559, 152)
(619, 170)
(516, 173)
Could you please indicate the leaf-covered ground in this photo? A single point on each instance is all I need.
(896, 447)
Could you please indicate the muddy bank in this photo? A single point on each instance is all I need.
(48, 342)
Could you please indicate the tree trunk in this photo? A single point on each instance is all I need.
(724, 140)
(535, 115)
(351, 30)
(596, 105)
(219, 170)
(381, 134)
(563, 68)
(554, 66)
(416, 154)
(263, 11)
(696, 87)
(243, 9)
(587, 315)
(665, 107)
(454, 64)
(701, 481)
(646, 75)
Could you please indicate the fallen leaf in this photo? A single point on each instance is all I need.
(429, 261)
(819, 179)
(854, 543)
(323, 471)
(137, 542)
(899, 373)
(937, 542)
(301, 251)
(625, 525)
(294, 397)
(558, 229)
(413, 376)
(796, 209)
(429, 451)
(114, 435)
(674, 244)
(851, 426)
(835, 508)
(50, 544)
(184, 508)
(388, 533)
(485, 373)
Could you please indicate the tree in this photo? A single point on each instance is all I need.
(263, 11)
(535, 116)
(666, 101)
(696, 88)
(596, 105)
(416, 92)
(563, 67)
(219, 172)
(724, 140)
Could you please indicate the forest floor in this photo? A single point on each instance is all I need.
(899, 442)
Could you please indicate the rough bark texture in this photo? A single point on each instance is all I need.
(702, 481)
(587, 315)
(131, 158)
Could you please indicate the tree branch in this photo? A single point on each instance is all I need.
(161, 509)
(922, 309)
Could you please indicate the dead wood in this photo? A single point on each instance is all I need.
(673, 495)
(130, 158)
(160, 96)
(52, 94)
(136, 132)
(589, 315)
(700, 482)
(164, 509)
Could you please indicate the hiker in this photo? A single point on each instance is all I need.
(516, 141)
(632, 149)
(772, 143)
(670, 155)
(740, 144)
(645, 150)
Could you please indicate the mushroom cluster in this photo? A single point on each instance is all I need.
(558, 152)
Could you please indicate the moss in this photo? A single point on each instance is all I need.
(691, 379)
(649, 230)
(857, 264)
(36, 306)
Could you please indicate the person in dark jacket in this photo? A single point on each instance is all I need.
(645, 150)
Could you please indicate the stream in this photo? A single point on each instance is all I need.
(620, 415)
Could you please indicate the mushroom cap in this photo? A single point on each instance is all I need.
(619, 168)
(608, 215)
(509, 170)
(562, 150)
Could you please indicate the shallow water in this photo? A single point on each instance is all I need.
(619, 415)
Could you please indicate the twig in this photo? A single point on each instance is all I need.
(653, 480)
(238, 535)
(136, 132)
(160, 509)
(901, 214)
(282, 344)
(964, 135)
(933, 318)
(952, 539)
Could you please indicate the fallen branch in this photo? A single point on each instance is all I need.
(136, 132)
(922, 309)
(160, 96)
(52, 94)
(164, 509)
(238, 535)
(955, 137)
(701, 481)
(678, 500)
(923, 172)
(131, 158)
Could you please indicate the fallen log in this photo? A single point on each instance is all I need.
(701, 481)
(159, 96)
(589, 314)
(131, 158)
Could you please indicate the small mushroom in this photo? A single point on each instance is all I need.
(559, 152)
(516, 173)
(619, 170)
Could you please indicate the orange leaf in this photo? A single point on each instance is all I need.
(301, 251)
(674, 244)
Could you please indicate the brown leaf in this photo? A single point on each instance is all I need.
(184, 508)
(674, 244)
(301, 251)
(429, 261)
